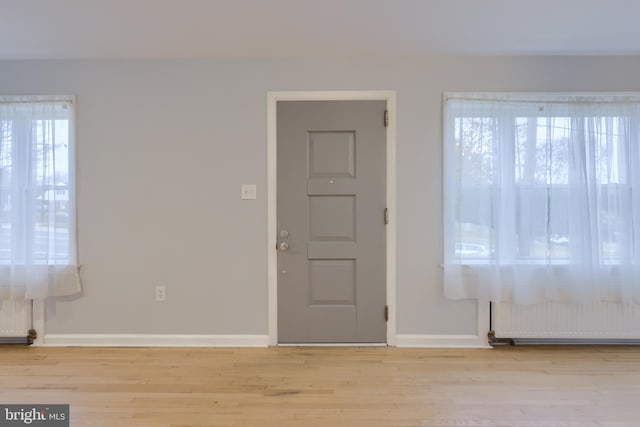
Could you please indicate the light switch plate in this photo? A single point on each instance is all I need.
(248, 191)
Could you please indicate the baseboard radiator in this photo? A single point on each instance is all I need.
(551, 322)
(16, 322)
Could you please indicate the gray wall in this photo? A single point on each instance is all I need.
(163, 147)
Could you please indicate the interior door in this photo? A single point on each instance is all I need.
(331, 187)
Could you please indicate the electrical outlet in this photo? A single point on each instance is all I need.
(161, 293)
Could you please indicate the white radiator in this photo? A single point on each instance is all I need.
(602, 320)
(15, 318)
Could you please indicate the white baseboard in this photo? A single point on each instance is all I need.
(442, 341)
(160, 340)
(153, 340)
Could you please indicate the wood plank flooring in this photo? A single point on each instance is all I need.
(324, 386)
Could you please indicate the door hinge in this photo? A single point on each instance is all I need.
(386, 216)
(386, 118)
(386, 313)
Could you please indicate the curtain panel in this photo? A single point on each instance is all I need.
(38, 253)
(542, 197)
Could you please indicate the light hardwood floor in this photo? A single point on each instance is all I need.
(318, 386)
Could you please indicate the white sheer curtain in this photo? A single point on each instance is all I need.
(542, 198)
(37, 198)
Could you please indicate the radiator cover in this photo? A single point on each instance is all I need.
(603, 320)
(15, 318)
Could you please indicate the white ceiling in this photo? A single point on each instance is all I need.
(314, 28)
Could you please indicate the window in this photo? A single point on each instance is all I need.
(37, 195)
(541, 197)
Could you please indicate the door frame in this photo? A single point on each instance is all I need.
(273, 97)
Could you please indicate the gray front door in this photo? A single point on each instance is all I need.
(331, 203)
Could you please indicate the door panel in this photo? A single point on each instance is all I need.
(331, 200)
(332, 281)
(332, 218)
(332, 154)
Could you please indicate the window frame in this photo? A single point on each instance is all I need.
(72, 256)
(527, 111)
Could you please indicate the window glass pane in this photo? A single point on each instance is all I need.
(475, 143)
(605, 137)
(475, 146)
(51, 191)
(542, 175)
(6, 141)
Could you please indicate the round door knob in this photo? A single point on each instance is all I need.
(284, 246)
(284, 234)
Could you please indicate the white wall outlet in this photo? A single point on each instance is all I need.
(161, 293)
(248, 191)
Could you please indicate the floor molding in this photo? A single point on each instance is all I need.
(161, 340)
(153, 340)
(340, 344)
(442, 341)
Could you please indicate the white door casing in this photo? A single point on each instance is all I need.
(272, 98)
